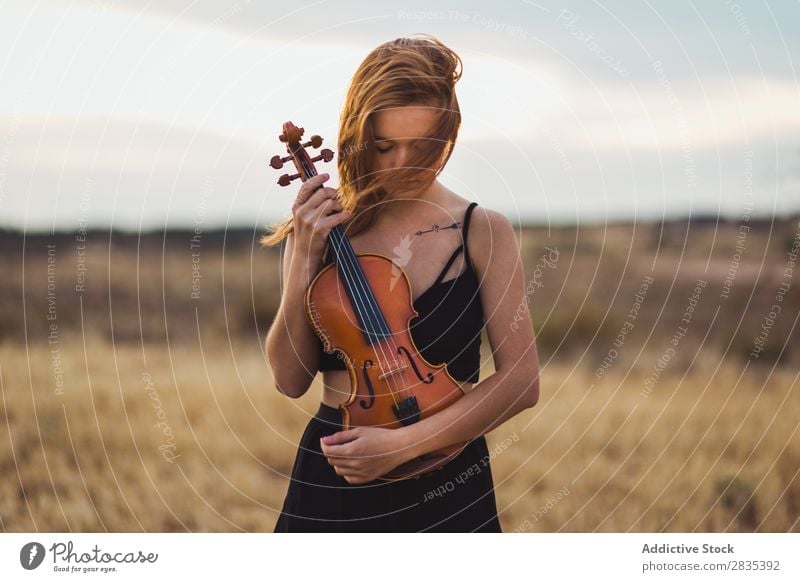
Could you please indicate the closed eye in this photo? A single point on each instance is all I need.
(416, 144)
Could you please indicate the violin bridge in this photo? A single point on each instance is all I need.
(393, 371)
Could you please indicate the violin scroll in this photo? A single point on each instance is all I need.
(302, 161)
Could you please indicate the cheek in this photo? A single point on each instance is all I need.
(384, 162)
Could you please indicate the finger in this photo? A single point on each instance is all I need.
(309, 187)
(315, 212)
(324, 205)
(340, 437)
(356, 479)
(336, 451)
(338, 218)
(312, 184)
(345, 472)
(327, 223)
(343, 463)
(318, 205)
(343, 451)
(322, 202)
(317, 219)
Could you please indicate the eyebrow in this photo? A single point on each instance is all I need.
(381, 138)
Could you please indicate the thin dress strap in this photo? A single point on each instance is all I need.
(467, 216)
(460, 247)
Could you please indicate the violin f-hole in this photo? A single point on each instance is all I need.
(429, 378)
(364, 372)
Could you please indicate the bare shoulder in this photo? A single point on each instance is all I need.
(492, 237)
(484, 219)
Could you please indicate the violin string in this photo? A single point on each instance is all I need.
(370, 294)
(357, 273)
(352, 257)
(368, 291)
(350, 273)
(389, 340)
(348, 262)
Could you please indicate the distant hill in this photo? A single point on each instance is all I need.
(156, 286)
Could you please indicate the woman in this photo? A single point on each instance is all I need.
(397, 130)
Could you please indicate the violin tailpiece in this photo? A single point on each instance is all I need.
(407, 411)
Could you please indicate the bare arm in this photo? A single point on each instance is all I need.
(291, 343)
(515, 384)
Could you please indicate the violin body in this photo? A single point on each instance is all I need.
(360, 308)
(388, 374)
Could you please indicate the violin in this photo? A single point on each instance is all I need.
(355, 310)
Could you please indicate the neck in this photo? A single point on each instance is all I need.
(401, 207)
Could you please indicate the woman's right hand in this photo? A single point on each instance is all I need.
(311, 221)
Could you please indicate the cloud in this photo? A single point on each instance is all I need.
(149, 105)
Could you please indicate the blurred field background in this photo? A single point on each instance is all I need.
(86, 375)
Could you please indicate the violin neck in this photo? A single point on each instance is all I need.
(371, 321)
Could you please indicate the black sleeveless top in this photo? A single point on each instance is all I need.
(448, 328)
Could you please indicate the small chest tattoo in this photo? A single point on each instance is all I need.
(437, 228)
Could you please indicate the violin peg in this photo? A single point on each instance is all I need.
(277, 161)
(286, 179)
(325, 155)
(314, 142)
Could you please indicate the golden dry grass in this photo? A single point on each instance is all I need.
(716, 450)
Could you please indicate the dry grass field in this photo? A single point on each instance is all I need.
(149, 410)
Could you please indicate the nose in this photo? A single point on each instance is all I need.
(401, 157)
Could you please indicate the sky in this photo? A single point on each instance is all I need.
(154, 115)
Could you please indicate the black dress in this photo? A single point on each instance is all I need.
(459, 497)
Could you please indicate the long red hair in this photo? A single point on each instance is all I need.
(417, 70)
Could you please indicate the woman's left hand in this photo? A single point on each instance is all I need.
(364, 453)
